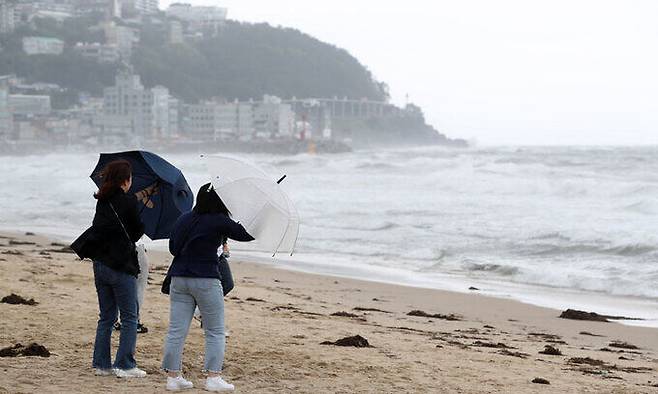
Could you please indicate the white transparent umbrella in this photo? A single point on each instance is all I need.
(258, 202)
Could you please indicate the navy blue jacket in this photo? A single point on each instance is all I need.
(194, 242)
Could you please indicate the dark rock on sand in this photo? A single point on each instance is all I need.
(473, 288)
(623, 345)
(550, 350)
(15, 299)
(355, 341)
(540, 381)
(344, 314)
(252, 299)
(31, 350)
(29, 234)
(574, 314)
(581, 315)
(420, 313)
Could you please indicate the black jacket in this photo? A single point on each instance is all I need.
(106, 241)
(194, 242)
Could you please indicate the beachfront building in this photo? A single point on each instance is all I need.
(199, 19)
(43, 46)
(131, 111)
(216, 120)
(6, 117)
(273, 118)
(7, 16)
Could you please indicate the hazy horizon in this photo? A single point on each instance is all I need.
(509, 73)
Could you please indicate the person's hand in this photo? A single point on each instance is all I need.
(225, 248)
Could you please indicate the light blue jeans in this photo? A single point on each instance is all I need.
(184, 295)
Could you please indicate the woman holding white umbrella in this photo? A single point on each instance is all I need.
(195, 280)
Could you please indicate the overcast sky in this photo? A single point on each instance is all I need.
(498, 72)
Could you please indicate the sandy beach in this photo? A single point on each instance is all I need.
(277, 320)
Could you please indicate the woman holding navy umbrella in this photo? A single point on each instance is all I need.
(110, 243)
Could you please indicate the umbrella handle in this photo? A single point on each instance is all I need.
(155, 186)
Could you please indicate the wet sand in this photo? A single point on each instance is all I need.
(277, 320)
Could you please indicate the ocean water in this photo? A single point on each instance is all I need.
(539, 224)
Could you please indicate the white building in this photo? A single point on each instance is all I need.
(7, 16)
(124, 38)
(205, 19)
(101, 53)
(6, 117)
(143, 7)
(131, 110)
(29, 105)
(42, 46)
(212, 120)
(273, 118)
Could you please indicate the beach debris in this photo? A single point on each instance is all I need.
(575, 314)
(540, 381)
(344, 314)
(551, 351)
(252, 299)
(473, 288)
(506, 352)
(284, 308)
(498, 345)
(587, 361)
(15, 299)
(31, 350)
(489, 327)
(590, 334)
(18, 243)
(355, 341)
(13, 252)
(63, 249)
(363, 309)
(29, 234)
(420, 313)
(622, 345)
(625, 358)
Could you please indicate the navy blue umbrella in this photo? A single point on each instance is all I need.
(161, 189)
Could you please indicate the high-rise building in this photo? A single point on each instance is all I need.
(142, 7)
(6, 117)
(131, 110)
(7, 16)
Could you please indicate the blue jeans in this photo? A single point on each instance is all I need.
(117, 292)
(184, 295)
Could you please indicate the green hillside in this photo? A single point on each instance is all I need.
(244, 61)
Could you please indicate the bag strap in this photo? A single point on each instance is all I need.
(121, 223)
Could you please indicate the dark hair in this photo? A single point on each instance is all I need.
(115, 174)
(207, 201)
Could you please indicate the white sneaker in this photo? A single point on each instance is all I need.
(178, 383)
(129, 373)
(218, 384)
(103, 372)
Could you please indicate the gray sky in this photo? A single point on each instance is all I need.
(498, 72)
